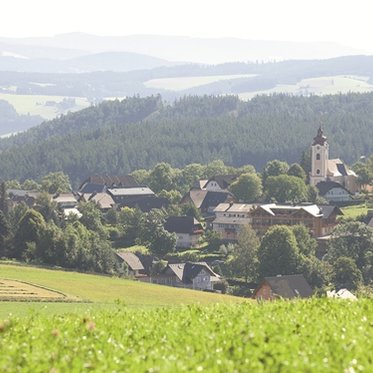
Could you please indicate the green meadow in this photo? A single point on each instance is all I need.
(97, 292)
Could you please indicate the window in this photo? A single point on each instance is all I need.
(318, 156)
(318, 171)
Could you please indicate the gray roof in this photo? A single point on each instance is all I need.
(134, 191)
(186, 272)
(182, 224)
(325, 186)
(289, 286)
(131, 260)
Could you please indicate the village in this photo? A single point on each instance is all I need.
(221, 216)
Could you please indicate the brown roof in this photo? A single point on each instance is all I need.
(131, 260)
(288, 286)
(103, 200)
(123, 181)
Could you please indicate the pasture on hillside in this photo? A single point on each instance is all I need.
(45, 106)
(315, 335)
(95, 291)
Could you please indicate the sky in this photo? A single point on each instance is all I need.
(343, 21)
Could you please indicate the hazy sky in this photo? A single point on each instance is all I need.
(346, 22)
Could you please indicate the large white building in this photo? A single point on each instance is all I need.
(325, 169)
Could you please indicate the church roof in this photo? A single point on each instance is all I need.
(320, 138)
(336, 167)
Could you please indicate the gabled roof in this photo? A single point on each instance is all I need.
(274, 209)
(90, 188)
(288, 286)
(222, 180)
(234, 207)
(148, 203)
(336, 167)
(103, 200)
(186, 272)
(328, 210)
(131, 260)
(110, 181)
(65, 198)
(182, 224)
(204, 198)
(325, 186)
(130, 191)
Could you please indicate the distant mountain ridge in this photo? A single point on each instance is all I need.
(109, 61)
(197, 50)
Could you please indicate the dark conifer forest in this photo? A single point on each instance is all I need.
(117, 137)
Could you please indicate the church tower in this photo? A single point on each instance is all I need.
(320, 158)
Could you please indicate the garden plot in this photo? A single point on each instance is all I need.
(17, 290)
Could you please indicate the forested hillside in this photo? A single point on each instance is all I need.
(118, 137)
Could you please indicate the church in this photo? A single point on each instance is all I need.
(334, 170)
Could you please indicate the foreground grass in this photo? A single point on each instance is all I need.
(316, 335)
(102, 290)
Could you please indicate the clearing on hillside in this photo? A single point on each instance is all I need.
(13, 290)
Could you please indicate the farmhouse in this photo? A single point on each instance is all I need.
(320, 220)
(230, 217)
(333, 192)
(219, 183)
(187, 228)
(132, 261)
(289, 286)
(205, 200)
(99, 184)
(122, 196)
(190, 275)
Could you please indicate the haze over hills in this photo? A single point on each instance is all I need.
(178, 48)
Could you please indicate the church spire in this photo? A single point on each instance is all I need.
(320, 138)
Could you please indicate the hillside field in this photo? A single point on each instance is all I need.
(316, 335)
(182, 83)
(94, 291)
(324, 85)
(36, 104)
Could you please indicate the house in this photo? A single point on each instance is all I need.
(29, 197)
(205, 200)
(320, 220)
(192, 275)
(219, 183)
(325, 169)
(147, 203)
(133, 262)
(287, 286)
(230, 217)
(341, 294)
(333, 192)
(103, 200)
(187, 228)
(65, 200)
(122, 196)
(99, 183)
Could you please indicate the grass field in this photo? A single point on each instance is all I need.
(355, 211)
(317, 335)
(182, 83)
(318, 86)
(99, 291)
(35, 104)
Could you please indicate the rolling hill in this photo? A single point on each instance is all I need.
(118, 137)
